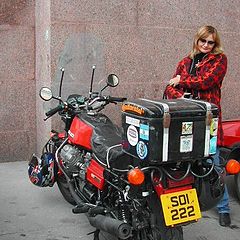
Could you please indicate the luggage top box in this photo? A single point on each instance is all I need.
(169, 130)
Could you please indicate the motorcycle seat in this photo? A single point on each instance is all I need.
(106, 142)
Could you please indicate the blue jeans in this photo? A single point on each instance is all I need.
(223, 205)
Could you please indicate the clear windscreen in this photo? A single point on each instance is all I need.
(81, 52)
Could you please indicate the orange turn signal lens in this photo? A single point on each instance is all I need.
(136, 176)
(232, 166)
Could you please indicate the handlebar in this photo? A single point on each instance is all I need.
(97, 103)
(100, 102)
(116, 99)
(54, 110)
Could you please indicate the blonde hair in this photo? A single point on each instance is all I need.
(204, 32)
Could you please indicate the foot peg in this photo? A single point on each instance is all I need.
(80, 209)
(96, 210)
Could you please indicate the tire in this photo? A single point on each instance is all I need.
(237, 182)
(235, 154)
(64, 189)
(162, 232)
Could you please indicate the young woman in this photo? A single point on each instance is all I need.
(201, 74)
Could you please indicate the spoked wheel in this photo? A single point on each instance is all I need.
(64, 189)
(237, 182)
(161, 231)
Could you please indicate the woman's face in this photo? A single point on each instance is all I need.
(205, 45)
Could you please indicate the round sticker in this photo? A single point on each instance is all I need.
(142, 150)
(132, 135)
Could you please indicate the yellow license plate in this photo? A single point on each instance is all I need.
(180, 207)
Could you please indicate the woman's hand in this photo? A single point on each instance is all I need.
(174, 81)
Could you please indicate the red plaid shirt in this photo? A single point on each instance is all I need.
(207, 82)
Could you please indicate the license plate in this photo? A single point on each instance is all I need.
(180, 207)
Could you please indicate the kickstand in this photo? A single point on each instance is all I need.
(96, 234)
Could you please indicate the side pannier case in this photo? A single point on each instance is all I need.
(169, 130)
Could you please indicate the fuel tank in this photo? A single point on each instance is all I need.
(80, 132)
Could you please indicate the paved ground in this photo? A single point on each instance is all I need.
(29, 212)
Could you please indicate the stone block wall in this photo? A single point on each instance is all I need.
(144, 40)
(17, 80)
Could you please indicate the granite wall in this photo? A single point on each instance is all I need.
(17, 80)
(143, 41)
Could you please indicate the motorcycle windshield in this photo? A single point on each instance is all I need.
(81, 53)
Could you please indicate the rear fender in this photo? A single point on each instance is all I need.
(210, 190)
(235, 152)
(230, 153)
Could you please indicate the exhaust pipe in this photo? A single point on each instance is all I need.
(110, 225)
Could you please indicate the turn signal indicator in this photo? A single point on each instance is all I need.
(232, 166)
(136, 176)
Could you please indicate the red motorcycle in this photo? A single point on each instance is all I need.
(143, 180)
(231, 149)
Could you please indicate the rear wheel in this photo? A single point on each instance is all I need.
(64, 189)
(162, 232)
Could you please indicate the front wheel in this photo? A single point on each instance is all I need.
(64, 189)
(237, 182)
(162, 232)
